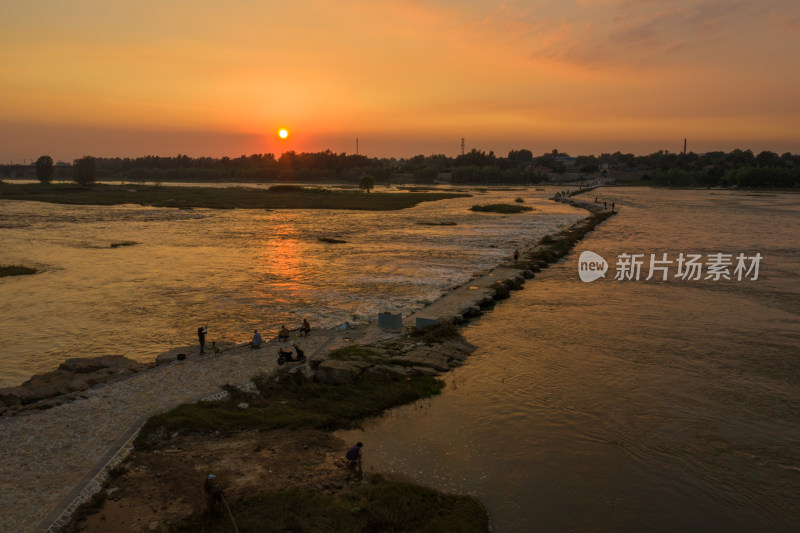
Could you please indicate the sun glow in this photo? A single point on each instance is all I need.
(283, 134)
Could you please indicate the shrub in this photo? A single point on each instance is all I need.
(285, 188)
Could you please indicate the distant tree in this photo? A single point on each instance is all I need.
(520, 157)
(44, 169)
(84, 170)
(367, 183)
(477, 158)
(768, 159)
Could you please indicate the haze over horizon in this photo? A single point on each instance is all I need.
(405, 77)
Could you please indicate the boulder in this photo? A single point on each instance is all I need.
(16, 396)
(461, 346)
(77, 384)
(501, 290)
(453, 354)
(423, 356)
(339, 372)
(472, 311)
(424, 371)
(87, 365)
(379, 373)
(9, 397)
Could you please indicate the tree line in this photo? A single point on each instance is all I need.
(736, 168)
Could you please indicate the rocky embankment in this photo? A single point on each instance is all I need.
(391, 360)
(73, 376)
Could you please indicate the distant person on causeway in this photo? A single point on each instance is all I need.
(201, 336)
(256, 342)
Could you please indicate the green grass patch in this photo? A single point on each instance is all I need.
(293, 403)
(16, 270)
(285, 188)
(381, 505)
(354, 353)
(501, 208)
(219, 198)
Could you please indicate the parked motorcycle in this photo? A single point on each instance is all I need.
(286, 356)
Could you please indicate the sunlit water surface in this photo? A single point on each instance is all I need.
(629, 406)
(233, 270)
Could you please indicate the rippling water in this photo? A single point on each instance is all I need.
(232, 270)
(629, 406)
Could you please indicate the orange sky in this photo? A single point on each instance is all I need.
(92, 77)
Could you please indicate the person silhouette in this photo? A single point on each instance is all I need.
(201, 336)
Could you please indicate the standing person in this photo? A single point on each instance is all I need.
(353, 455)
(201, 335)
(305, 329)
(612, 207)
(516, 254)
(605, 205)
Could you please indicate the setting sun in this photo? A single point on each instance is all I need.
(283, 134)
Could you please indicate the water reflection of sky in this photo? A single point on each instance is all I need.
(234, 270)
(624, 406)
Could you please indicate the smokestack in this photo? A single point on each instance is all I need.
(684, 146)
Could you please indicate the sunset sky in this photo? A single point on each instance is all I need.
(92, 77)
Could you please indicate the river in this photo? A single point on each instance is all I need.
(233, 270)
(605, 406)
(624, 405)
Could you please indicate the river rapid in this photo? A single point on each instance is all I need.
(617, 406)
(233, 270)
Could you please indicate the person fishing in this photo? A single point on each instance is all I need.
(354, 455)
(201, 335)
(256, 342)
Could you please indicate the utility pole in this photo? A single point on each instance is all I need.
(356, 146)
(462, 145)
(684, 146)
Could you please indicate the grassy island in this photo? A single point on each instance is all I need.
(15, 270)
(279, 197)
(501, 208)
(270, 449)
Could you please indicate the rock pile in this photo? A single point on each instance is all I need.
(73, 376)
(393, 361)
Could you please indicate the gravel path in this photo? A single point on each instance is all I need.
(48, 457)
